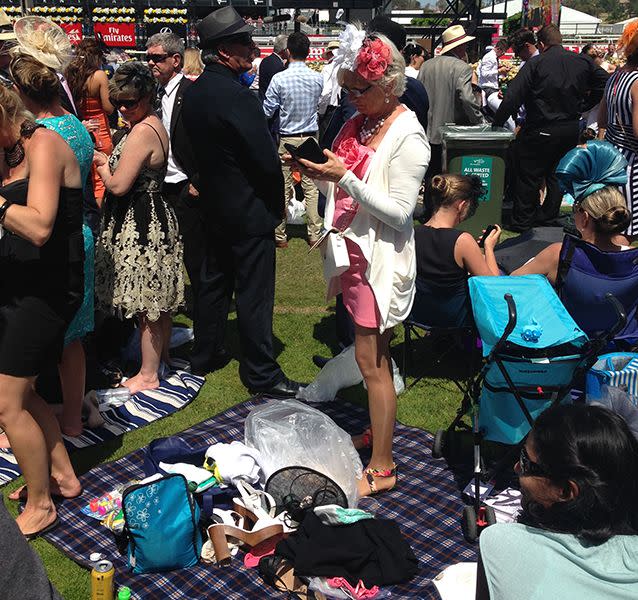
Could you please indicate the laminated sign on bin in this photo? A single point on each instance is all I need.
(479, 150)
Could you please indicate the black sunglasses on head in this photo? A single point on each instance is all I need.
(125, 103)
(528, 467)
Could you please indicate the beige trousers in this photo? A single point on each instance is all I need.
(311, 196)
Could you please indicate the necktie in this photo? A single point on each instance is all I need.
(161, 92)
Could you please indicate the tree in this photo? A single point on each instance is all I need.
(406, 5)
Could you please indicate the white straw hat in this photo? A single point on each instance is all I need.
(454, 36)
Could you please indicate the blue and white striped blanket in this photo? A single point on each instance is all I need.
(174, 393)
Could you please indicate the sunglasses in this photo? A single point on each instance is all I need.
(157, 58)
(244, 39)
(528, 467)
(123, 102)
(355, 92)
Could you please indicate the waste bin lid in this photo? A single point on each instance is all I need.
(476, 133)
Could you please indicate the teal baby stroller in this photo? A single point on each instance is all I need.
(534, 355)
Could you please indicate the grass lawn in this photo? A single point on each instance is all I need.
(303, 326)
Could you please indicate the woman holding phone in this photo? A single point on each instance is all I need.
(371, 180)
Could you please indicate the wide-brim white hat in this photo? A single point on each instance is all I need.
(455, 36)
(45, 41)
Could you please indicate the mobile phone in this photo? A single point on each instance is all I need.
(309, 150)
(488, 230)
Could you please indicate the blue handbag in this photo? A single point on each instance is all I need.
(162, 524)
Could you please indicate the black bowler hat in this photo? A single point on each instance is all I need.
(219, 24)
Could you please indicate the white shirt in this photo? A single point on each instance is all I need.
(255, 84)
(331, 89)
(411, 72)
(488, 71)
(173, 173)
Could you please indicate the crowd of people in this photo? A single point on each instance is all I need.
(97, 219)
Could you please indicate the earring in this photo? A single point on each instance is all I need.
(387, 100)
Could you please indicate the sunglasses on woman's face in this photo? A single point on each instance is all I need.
(528, 467)
(124, 103)
(355, 93)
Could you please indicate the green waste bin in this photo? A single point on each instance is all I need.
(478, 150)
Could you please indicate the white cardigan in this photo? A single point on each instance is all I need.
(382, 226)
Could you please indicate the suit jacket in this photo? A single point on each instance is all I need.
(448, 82)
(180, 143)
(240, 177)
(268, 68)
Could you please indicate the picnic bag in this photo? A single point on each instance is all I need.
(616, 369)
(161, 522)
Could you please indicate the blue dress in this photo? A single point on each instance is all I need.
(74, 133)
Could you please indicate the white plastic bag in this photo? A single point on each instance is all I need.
(620, 402)
(339, 373)
(295, 212)
(289, 433)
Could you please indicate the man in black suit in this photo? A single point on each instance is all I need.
(555, 88)
(242, 196)
(272, 64)
(165, 56)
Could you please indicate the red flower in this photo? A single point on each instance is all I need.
(351, 152)
(373, 60)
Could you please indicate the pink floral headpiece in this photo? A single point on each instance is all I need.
(373, 59)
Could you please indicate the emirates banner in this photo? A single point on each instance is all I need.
(74, 31)
(119, 35)
(178, 29)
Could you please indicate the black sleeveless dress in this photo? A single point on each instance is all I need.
(41, 288)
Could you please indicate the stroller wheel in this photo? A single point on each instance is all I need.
(438, 447)
(469, 525)
(472, 524)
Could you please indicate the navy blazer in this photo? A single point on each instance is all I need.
(268, 68)
(240, 177)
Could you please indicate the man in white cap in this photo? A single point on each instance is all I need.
(7, 39)
(447, 79)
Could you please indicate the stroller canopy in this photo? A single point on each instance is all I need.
(542, 320)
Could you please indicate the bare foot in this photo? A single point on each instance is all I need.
(382, 484)
(33, 520)
(70, 428)
(4, 441)
(70, 488)
(140, 383)
(363, 440)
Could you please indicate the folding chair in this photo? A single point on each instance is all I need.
(586, 275)
(442, 312)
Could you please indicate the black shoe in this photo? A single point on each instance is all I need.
(320, 361)
(284, 389)
(218, 362)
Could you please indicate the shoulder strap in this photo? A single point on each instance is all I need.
(565, 261)
(159, 137)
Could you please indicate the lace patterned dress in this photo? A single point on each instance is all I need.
(139, 252)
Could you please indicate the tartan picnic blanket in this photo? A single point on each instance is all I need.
(174, 393)
(426, 504)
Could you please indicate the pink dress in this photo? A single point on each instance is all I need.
(358, 297)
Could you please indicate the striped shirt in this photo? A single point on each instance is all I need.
(295, 92)
(620, 131)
